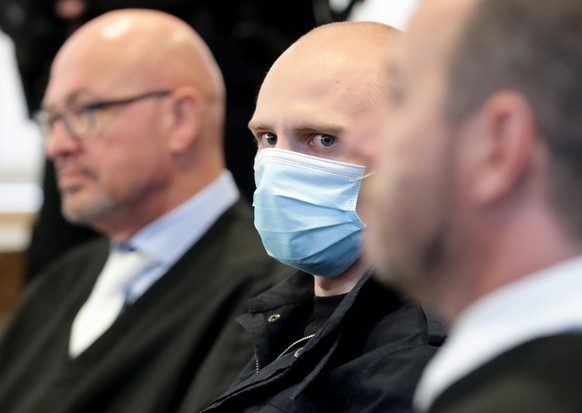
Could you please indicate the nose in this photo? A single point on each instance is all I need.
(59, 141)
(286, 143)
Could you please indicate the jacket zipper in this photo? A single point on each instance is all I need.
(306, 338)
(258, 364)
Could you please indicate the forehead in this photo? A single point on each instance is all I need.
(93, 68)
(328, 86)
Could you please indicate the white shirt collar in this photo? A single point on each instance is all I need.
(167, 238)
(544, 303)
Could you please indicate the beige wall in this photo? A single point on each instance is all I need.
(14, 231)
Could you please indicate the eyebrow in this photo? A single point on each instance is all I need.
(72, 98)
(253, 125)
(329, 129)
(302, 128)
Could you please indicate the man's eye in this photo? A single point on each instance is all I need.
(83, 119)
(84, 112)
(269, 139)
(324, 140)
(92, 108)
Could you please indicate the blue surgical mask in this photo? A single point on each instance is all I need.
(305, 210)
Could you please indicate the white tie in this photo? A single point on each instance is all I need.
(106, 299)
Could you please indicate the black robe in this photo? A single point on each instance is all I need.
(180, 336)
(541, 376)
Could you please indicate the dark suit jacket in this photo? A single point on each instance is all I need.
(540, 376)
(179, 337)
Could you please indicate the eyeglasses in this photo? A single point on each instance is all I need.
(81, 121)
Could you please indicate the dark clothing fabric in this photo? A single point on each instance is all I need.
(368, 357)
(540, 376)
(323, 308)
(179, 336)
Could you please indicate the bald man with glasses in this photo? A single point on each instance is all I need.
(133, 119)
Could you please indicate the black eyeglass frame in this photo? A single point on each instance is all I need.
(46, 118)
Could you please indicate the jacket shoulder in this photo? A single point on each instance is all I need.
(539, 376)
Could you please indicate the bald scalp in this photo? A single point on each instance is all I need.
(349, 39)
(358, 32)
(343, 49)
(155, 45)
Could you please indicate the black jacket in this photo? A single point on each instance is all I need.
(368, 356)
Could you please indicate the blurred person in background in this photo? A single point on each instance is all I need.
(133, 115)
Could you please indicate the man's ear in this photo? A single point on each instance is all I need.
(185, 118)
(498, 145)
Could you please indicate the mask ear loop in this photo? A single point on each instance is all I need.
(361, 178)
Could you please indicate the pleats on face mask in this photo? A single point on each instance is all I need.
(305, 210)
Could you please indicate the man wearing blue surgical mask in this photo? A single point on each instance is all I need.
(330, 338)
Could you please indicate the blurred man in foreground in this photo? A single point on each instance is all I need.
(478, 199)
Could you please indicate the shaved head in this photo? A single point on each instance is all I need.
(337, 50)
(340, 69)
